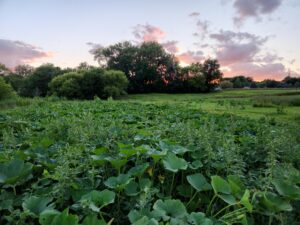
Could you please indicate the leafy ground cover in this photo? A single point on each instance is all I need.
(279, 104)
(124, 162)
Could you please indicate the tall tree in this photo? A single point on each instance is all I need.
(24, 70)
(211, 72)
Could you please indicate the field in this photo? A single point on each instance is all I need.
(201, 159)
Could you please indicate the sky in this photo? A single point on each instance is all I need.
(256, 38)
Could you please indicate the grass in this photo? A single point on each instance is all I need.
(280, 104)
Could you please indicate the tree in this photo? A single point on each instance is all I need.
(86, 84)
(23, 70)
(226, 84)
(148, 67)
(115, 84)
(211, 72)
(15, 81)
(4, 70)
(37, 83)
(6, 91)
(92, 82)
(67, 85)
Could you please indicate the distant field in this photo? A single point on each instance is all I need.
(282, 104)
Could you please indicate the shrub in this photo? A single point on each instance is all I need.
(37, 84)
(115, 84)
(92, 82)
(226, 84)
(86, 84)
(67, 85)
(6, 91)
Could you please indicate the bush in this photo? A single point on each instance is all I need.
(6, 91)
(37, 83)
(67, 85)
(92, 82)
(226, 84)
(86, 84)
(115, 84)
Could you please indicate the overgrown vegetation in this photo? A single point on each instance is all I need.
(112, 162)
(6, 91)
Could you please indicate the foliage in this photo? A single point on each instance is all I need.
(226, 84)
(112, 162)
(88, 83)
(115, 84)
(149, 68)
(67, 85)
(6, 91)
(36, 84)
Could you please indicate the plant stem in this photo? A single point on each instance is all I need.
(192, 198)
(209, 206)
(226, 207)
(173, 178)
(270, 220)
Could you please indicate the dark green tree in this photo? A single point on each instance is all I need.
(37, 83)
(212, 73)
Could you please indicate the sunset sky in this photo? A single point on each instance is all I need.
(257, 38)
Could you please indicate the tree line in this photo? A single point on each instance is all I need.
(128, 68)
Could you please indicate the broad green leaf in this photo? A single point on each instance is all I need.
(230, 199)
(195, 165)
(37, 205)
(119, 182)
(199, 219)
(170, 209)
(51, 217)
(274, 203)
(93, 220)
(143, 221)
(14, 171)
(220, 185)
(173, 163)
(138, 170)
(116, 163)
(174, 148)
(287, 190)
(132, 189)
(96, 200)
(236, 186)
(245, 200)
(198, 182)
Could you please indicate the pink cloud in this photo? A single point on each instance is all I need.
(13, 53)
(148, 33)
(190, 57)
(171, 46)
(260, 72)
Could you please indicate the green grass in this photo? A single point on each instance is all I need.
(280, 104)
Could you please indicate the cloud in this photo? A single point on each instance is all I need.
(194, 14)
(259, 71)
(148, 33)
(202, 28)
(233, 47)
(13, 53)
(243, 53)
(171, 46)
(254, 8)
(190, 57)
(292, 61)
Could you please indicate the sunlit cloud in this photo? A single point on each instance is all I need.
(13, 53)
(148, 33)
